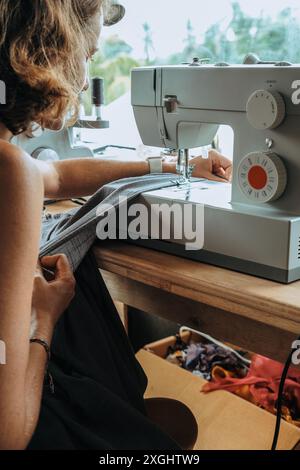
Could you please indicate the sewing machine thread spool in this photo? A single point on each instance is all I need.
(95, 121)
(97, 96)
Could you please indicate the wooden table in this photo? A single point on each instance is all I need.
(252, 313)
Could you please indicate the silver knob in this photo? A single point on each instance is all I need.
(198, 62)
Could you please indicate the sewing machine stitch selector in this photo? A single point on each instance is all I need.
(262, 177)
(266, 109)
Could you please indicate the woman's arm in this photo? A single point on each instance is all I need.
(83, 177)
(21, 196)
(21, 292)
(49, 301)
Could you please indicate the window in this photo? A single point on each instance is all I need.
(175, 31)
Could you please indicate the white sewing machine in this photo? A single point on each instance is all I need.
(253, 225)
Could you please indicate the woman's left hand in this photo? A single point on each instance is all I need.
(216, 167)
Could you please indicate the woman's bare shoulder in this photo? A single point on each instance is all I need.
(14, 159)
(9, 151)
(21, 182)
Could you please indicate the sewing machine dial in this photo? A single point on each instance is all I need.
(262, 177)
(265, 109)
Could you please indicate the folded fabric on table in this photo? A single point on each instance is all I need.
(75, 233)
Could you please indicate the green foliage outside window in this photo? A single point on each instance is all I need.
(272, 39)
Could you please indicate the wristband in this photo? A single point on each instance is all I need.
(156, 165)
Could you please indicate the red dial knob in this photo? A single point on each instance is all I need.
(262, 177)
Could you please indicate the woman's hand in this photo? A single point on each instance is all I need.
(51, 298)
(216, 167)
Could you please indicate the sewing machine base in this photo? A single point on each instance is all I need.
(261, 241)
(216, 259)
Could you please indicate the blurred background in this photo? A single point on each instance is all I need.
(165, 32)
(175, 31)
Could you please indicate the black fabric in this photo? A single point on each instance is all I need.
(99, 385)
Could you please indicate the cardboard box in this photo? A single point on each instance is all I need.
(226, 422)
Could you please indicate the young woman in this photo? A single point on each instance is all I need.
(44, 47)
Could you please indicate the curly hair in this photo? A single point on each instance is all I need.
(43, 46)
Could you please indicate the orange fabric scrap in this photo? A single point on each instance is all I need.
(261, 385)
